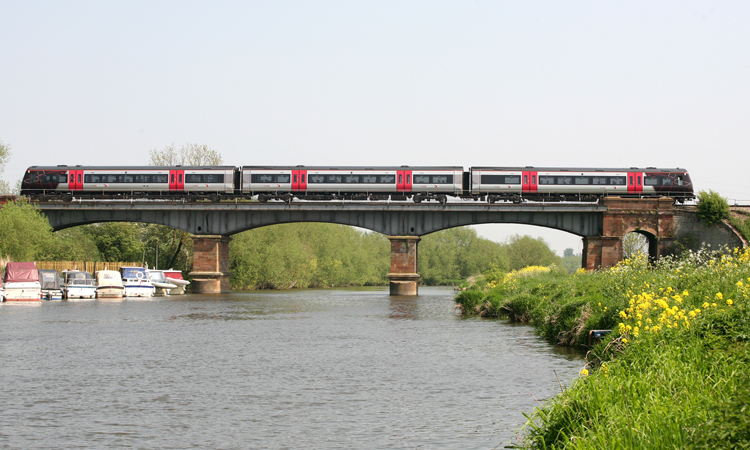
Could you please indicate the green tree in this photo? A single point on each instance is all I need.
(26, 232)
(634, 243)
(712, 207)
(4, 158)
(187, 155)
(524, 251)
(117, 241)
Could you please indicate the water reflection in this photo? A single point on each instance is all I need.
(334, 369)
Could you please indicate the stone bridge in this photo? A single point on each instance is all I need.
(601, 226)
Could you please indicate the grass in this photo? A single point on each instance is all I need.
(674, 372)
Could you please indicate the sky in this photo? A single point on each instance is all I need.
(465, 83)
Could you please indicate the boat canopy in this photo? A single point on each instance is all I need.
(50, 279)
(157, 275)
(21, 272)
(176, 274)
(74, 277)
(133, 273)
(108, 278)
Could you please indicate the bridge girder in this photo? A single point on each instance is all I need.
(392, 219)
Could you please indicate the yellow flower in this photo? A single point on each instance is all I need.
(584, 372)
(730, 302)
(719, 296)
(624, 340)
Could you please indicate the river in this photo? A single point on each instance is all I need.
(310, 369)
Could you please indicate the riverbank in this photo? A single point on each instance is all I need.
(673, 372)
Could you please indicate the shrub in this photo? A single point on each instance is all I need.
(712, 207)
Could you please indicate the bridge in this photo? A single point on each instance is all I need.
(601, 226)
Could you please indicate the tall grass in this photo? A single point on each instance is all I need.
(674, 372)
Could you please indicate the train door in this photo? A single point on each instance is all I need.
(403, 180)
(635, 182)
(299, 180)
(76, 180)
(176, 180)
(529, 182)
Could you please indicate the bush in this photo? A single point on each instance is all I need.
(712, 207)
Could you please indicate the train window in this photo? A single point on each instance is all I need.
(91, 178)
(351, 179)
(651, 181)
(386, 179)
(631, 180)
(598, 180)
(492, 179)
(679, 181)
(179, 178)
(72, 178)
(317, 179)
(128, 179)
(369, 179)
(283, 178)
(564, 180)
(79, 178)
(192, 178)
(421, 179)
(171, 179)
(546, 180)
(400, 178)
(303, 179)
(334, 179)
(620, 181)
(295, 178)
(261, 178)
(533, 179)
(639, 180)
(516, 179)
(408, 178)
(442, 179)
(525, 179)
(582, 180)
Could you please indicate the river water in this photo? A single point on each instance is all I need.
(313, 369)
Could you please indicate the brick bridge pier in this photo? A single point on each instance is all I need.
(602, 247)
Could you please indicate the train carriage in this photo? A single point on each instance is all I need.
(578, 184)
(378, 183)
(127, 180)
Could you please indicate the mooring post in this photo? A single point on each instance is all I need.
(210, 264)
(403, 276)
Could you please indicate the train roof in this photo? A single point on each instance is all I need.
(585, 169)
(353, 167)
(79, 167)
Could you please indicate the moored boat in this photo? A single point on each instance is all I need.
(162, 286)
(51, 284)
(109, 284)
(175, 277)
(78, 284)
(136, 282)
(21, 282)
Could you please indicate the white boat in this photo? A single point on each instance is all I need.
(162, 286)
(109, 284)
(51, 284)
(78, 284)
(175, 277)
(21, 282)
(136, 282)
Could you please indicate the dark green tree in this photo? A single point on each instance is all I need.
(712, 207)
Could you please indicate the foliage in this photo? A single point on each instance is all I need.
(187, 155)
(117, 241)
(741, 222)
(450, 256)
(634, 243)
(712, 207)
(524, 251)
(300, 255)
(26, 232)
(4, 158)
(672, 374)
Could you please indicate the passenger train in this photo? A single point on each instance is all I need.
(418, 183)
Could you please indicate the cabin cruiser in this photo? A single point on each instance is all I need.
(109, 284)
(136, 282)
(162, 286)
(175, 277)
(78, 284)
(21, 282)
(51, 284)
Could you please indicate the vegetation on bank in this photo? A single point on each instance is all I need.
(672, 374)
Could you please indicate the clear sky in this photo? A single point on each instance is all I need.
(469, 83)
